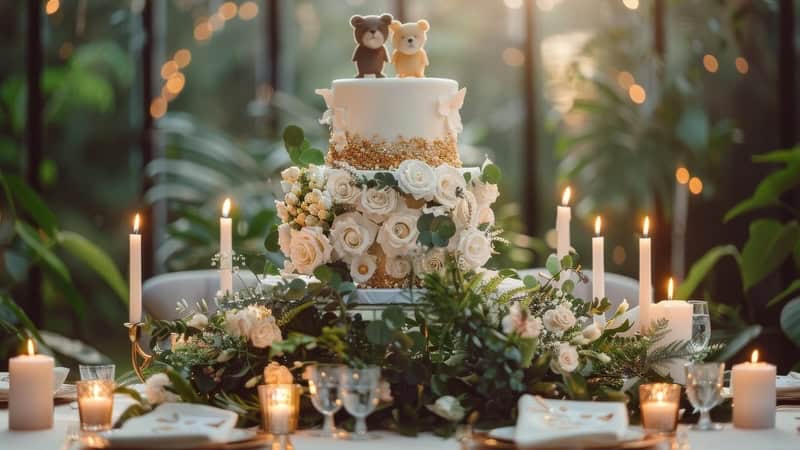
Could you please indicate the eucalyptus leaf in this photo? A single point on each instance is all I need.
(293, 136)
(491, 174)
(553, 265)
(311, 156)
(271, 241)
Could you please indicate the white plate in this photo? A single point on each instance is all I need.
(62, 391)
(507, 434)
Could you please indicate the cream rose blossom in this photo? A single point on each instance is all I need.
(475, 248)
(309, 249)
(239, 323)
(155, 389)
(341, 188)
(567, 357)
(398, 234)
(450, 185)
(465, 213)
(363, 268)
(265, 331)
(417, 179)
(352, 234)
(285, 238)
(377, 204)
(559, 319)
(592, 332)
(485, 193)
(521, 322)
(485, 215)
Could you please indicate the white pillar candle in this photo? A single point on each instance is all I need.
(598, 268)
(754, 402)
(135, 273)
(645, 278)
(679, 315)
(563, 217)
(226, 250)
(30, 396)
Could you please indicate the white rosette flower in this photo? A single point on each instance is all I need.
(352, 234)
(290, 175)
(450, 184)
(465, 213)
(265, 331)
(363, 267)
(559, 319)
(398, 234)
(434, 260)
(416, 179)
(486, 215)
(377, 204)
(397, 267)
(341, 188)
(567, 360)
(198, 320)
(474, 248)
(485, 193)
(309, 249)
(285, 238)
(238, 323)
(155, 390)
(592, 332)
(448, 408)
(316, 176)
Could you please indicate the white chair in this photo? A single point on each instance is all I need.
(618, 287)
(161, 294)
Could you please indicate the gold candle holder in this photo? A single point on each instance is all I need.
(95, 404)
(659, 406)
(280, 409)
(134, 333)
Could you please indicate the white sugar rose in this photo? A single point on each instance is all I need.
(309, 249)
(417, 179)
(397, 267)
(567, 357)
(450, 185)
(465, 213)
(283, 212)
(155, 390)
(448, 408)
(486, 215)
(592, 332)
(432, 261)
(291, 174)
(377, 204)
(559, 319)
(239, 323)
(341, 188)
(398, 234)
(485, 193)
(352, 234)
(316, 176)
(285, 238)
(198, 320)
(362, 268)
(475, 248)
(521, 322)
(264, 332)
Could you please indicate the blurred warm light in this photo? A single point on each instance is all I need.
(216, 22)
(202, 31)
(598, 223)
(695, 185)
(513, 4)
(742, 66)
(551, 238)
(513, 57)
(618, 255)
(65, 51)
(637, 94)
(547, 5)
(168, 69)
(646, 226)
(682, 175)
(248, 10)
(670, 288)
(158, 107)
(631, 4)
(710, 63)
(51, 7)
(167, 95)
(625, 79)
(182, 57)
(175, 83)
(228, 10)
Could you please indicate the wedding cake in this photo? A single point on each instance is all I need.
(392, 200)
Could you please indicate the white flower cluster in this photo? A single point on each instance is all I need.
(370, 214)
(254, 322)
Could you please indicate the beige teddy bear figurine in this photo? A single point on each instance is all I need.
(408, 39)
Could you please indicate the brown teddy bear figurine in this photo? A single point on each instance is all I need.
(370, 33)
(408, 39)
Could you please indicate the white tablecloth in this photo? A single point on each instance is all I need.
(784, 437)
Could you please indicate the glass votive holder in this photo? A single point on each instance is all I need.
(97, 371)
(280, 407)
(95, 404)
(659, 406)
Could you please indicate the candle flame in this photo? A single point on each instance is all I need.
(565, 197)
(31, 347)
(754, 357)
(96, 390)
(226, 207)
(660, 396)
(670, 288)
(597, 225)
(646, 225)
(136, 221)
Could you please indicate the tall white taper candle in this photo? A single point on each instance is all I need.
(135, 273)
(226, 249)
(645, 278)
(598, 268)
(563, 217)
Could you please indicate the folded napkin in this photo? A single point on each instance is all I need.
(569, 423)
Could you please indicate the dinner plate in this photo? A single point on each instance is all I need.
(503, 438)
(239, 439)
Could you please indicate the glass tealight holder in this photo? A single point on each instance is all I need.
(659, 406)
(97, 371)
(95, 404)
(280, 408)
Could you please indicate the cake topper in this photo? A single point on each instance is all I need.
(370, 33)
(408, 39)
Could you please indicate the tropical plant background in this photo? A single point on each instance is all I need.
(617, 117)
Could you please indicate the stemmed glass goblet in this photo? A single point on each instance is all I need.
(323, 385)
(704, 389)
(359, 390)
(701, 326)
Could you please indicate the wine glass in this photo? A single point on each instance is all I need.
(360, 393)
(323, 385)
(704, 387)
(701, 326)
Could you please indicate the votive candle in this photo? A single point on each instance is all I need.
(659, 407)
(95, 404)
